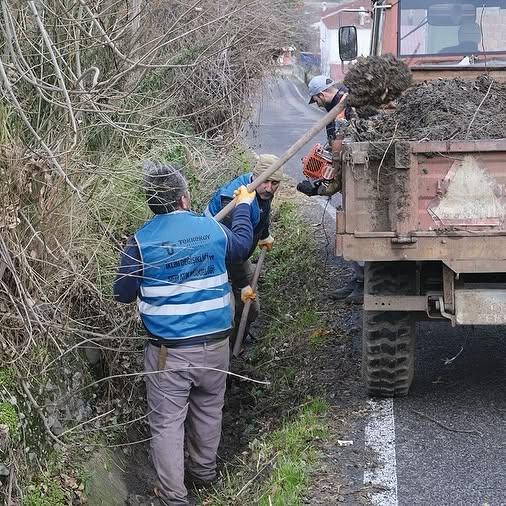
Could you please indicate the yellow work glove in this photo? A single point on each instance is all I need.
(247, 293)
(266, 243)
(243, 196)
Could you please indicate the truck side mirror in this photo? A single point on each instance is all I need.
(348, 43)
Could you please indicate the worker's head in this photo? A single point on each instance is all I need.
(268, 188)
(321, 90)
(469, 32)
(165, 187)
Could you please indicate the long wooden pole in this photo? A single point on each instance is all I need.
(289, 153)
(245, 312)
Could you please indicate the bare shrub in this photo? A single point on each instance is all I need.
(88, 89)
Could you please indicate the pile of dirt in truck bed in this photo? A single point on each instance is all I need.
(446, 109)
(376, 80)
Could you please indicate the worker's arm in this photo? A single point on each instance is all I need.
(239, 233)
(126, 284)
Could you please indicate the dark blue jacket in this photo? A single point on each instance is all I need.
(333, 126)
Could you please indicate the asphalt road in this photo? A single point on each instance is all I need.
(281, 117)
(450, 433)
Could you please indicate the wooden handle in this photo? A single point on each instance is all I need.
(245, 312)
(290, 152)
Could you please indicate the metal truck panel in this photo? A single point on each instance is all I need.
(441, 207)
(480, 306)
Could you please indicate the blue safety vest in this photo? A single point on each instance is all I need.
(227, 191)
(184, 290)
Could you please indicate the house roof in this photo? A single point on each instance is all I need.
(333, 19)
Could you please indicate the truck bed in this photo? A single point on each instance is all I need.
(425, 201)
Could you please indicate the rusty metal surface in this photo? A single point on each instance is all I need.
(480, 306)
(395, 303)
(467, 73)
(448, 249)
(479, 266)
(474, 147)
(465, 191)
(340, 222)
(469, 195)
(447, 194)
(339, 250)
(448, 289)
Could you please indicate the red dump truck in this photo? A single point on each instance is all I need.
(433, 234)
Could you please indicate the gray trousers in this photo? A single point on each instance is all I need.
(183, 401)
(358, 269)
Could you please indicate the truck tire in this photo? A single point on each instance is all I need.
(388, 340)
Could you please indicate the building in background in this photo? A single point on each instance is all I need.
(332, 18)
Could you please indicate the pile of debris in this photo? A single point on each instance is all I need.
(376, 80)
(446, 109)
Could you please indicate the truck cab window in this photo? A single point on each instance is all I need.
(431, 27)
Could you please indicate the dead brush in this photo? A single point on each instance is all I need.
(88, 89)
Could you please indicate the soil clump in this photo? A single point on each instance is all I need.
(377, 80)
(446, 109)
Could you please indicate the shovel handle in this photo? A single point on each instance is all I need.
(245, 312)
(289, 153)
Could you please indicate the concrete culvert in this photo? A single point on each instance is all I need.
(377, 80)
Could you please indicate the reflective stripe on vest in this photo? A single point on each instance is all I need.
(227, 191)
(184, 289)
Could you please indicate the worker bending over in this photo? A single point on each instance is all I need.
(175, 266)
(326, 93)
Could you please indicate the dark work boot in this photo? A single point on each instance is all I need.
(357, 295)
(344, 292)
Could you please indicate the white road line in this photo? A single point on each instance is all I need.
(380, 438)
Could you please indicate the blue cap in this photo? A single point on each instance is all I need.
(317, 85)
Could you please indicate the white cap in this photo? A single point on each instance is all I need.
(317, 85)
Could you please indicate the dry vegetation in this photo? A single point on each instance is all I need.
(89, 88)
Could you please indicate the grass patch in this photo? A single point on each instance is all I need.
(7, 378)
(289, 284)
(294, 445)
(9, 417)
(277, 468)
(282, 452)
(46, 493)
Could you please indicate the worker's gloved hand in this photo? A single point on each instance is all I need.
(308, 188)
(247, 293)
(243, 196)
(266, 243)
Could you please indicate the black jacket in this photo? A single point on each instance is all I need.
(333, 126)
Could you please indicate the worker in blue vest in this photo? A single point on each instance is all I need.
(174, 265)
(241, 272)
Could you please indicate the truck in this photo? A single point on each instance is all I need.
(433, 234)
